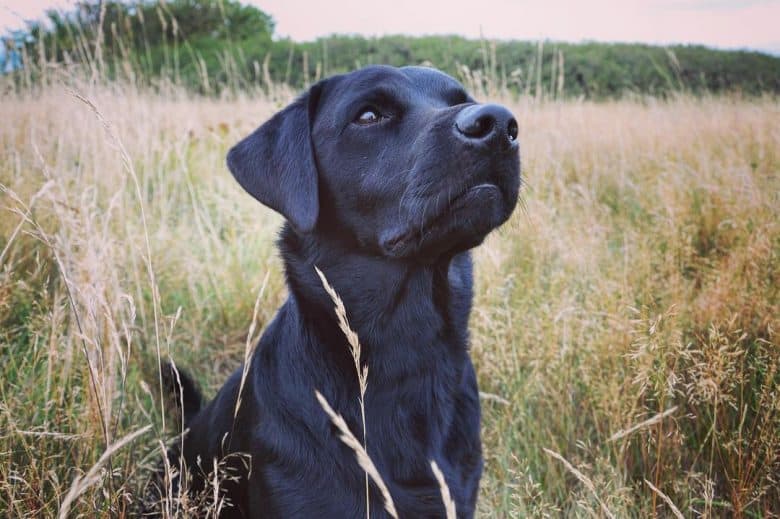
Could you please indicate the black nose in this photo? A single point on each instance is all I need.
(487, 123)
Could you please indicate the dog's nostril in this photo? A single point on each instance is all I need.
(511, 130)
(477, 127)
(482, 126)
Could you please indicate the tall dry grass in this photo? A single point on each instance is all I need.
(625, 321)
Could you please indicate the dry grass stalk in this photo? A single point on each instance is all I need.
(490, 397)
(362, 456)
(167, 498)
(81, 483)
(354, 348)
(70, 288)
(251, 342)
(218, 499)
(127, 163)
(348, 437)
(449, 504)
(675, 510)
(169, 471)
(583, 479)
(349, 333)
(51, 434)
(650, 421)
(25, 217)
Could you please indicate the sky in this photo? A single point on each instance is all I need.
(751, 24)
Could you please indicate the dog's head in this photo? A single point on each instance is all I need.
(402, 162)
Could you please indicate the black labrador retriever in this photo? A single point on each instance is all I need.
(386, 177)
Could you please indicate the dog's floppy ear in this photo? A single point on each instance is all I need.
(275, 164)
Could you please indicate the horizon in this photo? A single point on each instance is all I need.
(718, 24)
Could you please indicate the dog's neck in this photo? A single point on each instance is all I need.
(407, 315)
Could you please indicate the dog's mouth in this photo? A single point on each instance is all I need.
(468, 216)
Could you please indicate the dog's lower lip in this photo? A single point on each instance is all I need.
(397, 242)
(466, 198)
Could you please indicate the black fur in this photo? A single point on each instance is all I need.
(387, 209)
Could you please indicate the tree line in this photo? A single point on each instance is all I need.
(212, 45)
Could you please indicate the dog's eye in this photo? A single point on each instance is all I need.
(368, 116)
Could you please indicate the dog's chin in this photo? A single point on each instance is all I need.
(462, 226)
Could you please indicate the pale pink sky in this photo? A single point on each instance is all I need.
(720, 23)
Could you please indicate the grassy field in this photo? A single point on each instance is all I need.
(625, 330)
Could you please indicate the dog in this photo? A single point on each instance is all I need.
(386, 178)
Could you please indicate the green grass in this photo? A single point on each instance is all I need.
(641, 276)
